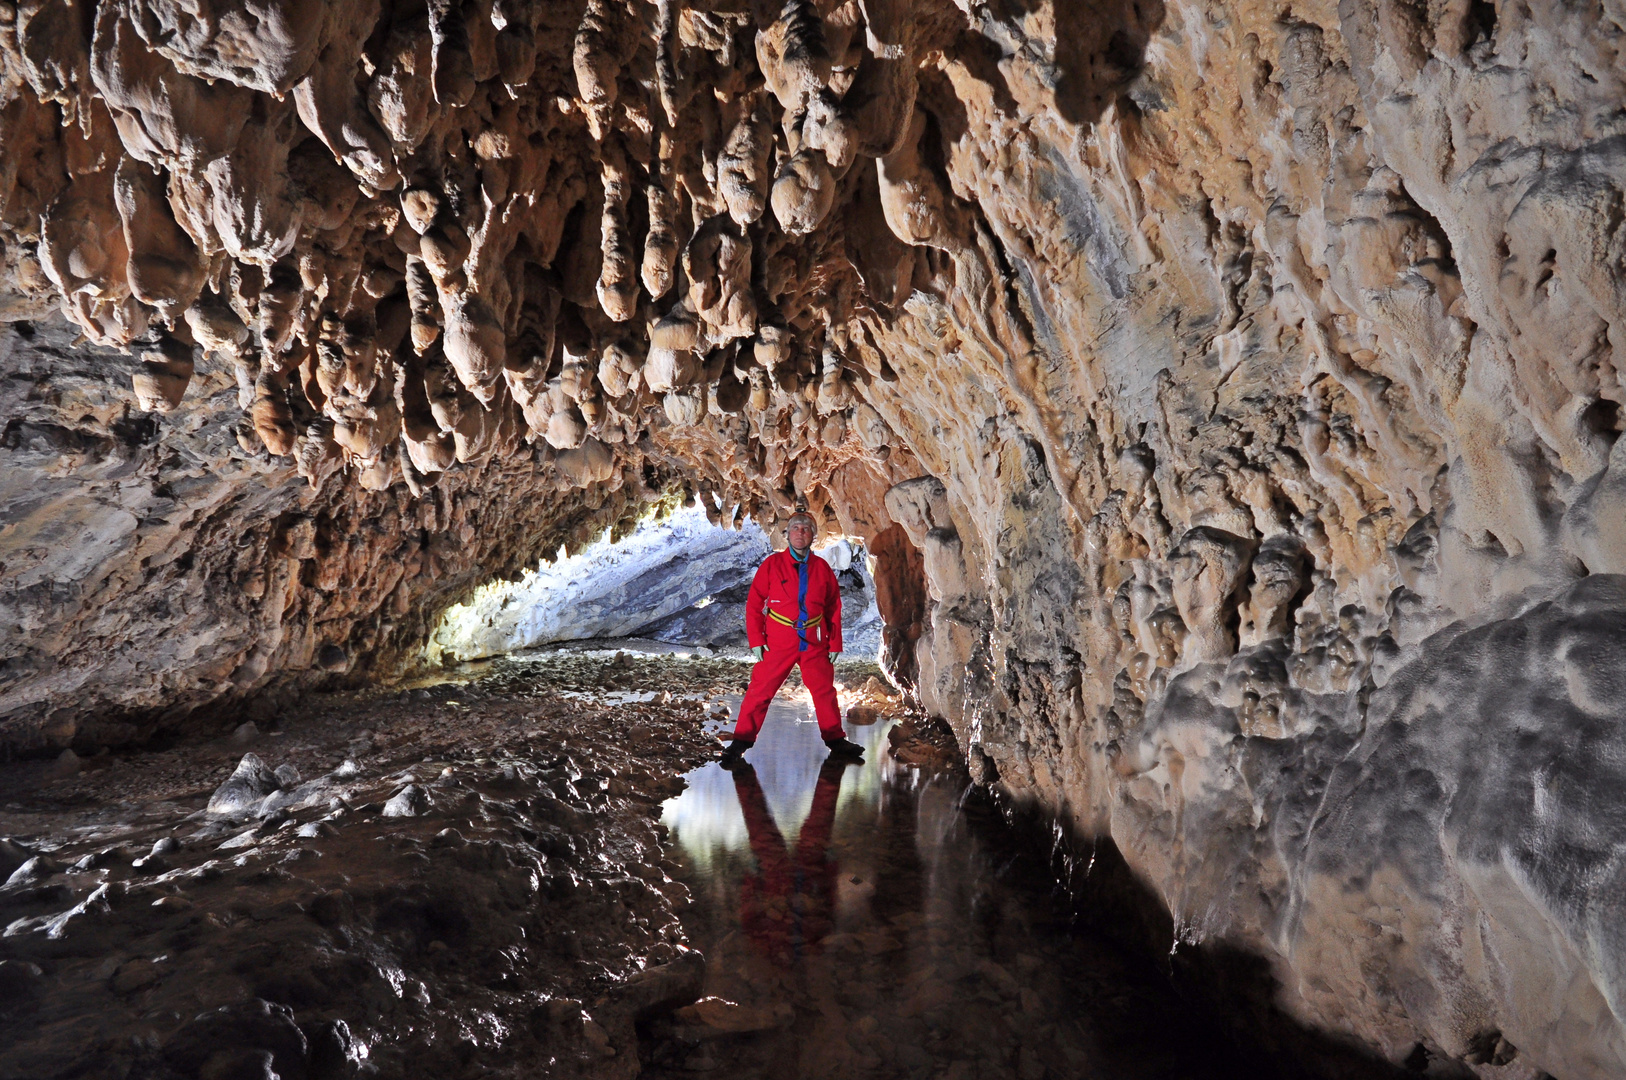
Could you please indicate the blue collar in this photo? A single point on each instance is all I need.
(799, 558)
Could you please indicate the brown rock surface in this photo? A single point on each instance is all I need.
(153, 566)
(443, 879)
(1251, 367)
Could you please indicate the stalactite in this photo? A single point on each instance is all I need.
(453, 72)
(618, 277)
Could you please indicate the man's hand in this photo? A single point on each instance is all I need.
(756, 653)
(835, 654)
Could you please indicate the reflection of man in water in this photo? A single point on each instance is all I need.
(786, 906)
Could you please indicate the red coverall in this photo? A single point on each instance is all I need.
(800, 624)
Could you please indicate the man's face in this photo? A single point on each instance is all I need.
(800, 534)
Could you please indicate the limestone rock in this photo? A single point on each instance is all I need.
(410, 801)
(248, 784)
(1200, 381)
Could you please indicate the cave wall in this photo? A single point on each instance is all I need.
(1240, 376)
(153, 568)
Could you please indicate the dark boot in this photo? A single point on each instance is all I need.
(844, 748)
(735, 754)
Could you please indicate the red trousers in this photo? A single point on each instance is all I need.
(818, 674)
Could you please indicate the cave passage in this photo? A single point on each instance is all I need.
(877, 920)
(1227, 398)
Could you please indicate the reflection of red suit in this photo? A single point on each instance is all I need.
(800, 891)
(799, 620)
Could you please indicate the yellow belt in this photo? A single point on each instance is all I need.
(778, 618)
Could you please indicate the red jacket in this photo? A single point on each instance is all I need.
(775, 589)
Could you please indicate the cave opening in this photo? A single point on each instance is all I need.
(678, 578)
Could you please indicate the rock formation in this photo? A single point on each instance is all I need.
(1227, 394)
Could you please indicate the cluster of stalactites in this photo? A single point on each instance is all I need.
(367, 215)
(728, 319)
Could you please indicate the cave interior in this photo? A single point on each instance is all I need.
(1214, 407)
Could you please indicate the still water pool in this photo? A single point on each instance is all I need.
(866, 921)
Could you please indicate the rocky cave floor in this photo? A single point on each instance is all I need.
(470, 877)
(439, 880)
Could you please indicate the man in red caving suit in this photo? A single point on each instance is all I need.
(793, 617)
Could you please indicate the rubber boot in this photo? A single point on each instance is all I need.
(735, 754)
(844, 748)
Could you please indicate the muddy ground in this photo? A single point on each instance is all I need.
(451, 880)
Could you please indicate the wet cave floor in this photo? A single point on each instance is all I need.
(537, 869)
(881, 920)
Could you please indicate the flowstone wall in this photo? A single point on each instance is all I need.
(1227, 393)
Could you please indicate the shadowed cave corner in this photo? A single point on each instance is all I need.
(1232, 991)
